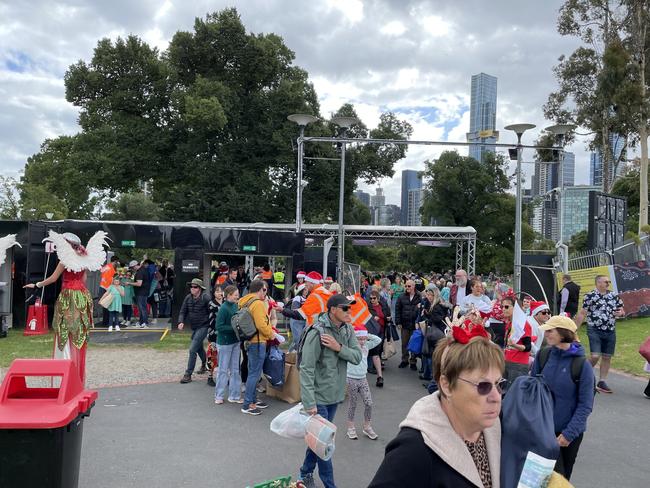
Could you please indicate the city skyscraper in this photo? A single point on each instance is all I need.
(617, 144)
(363, 197)
(378, 199)
(482, 114)
(411, 180)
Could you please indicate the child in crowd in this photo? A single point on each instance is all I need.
(127, 300)
(358, 385)
(115, 307)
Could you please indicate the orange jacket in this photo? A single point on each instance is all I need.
(107, 273)
(359, 311)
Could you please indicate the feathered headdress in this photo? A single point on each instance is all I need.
(5, 243)
(76, 257)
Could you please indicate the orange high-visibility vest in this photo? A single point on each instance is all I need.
(359, 311)
(315, 304)
(107, 273)
(267, 275)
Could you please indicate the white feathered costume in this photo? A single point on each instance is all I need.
(7, 242)
(73, 311)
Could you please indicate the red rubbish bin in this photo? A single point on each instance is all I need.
(41, 428)
(37, 323)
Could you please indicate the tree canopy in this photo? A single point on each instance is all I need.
(205, 124)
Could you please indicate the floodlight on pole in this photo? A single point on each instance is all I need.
(560, 131)
(518, 129)
(302, 120)
(344, 123)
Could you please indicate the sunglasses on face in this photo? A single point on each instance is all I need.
(506, 307)
(373, 298)
(265, 290)
(345, 308)
(194, 286)
(485, 387)
(607, 282)
(545, 312)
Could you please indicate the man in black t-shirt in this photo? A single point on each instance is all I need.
(141, 285)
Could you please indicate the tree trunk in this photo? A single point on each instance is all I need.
(643, 126)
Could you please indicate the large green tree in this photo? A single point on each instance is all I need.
(461, 191)
(206, 124)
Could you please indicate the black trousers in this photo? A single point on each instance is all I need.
(102, 291)
(243, 369)
(567, 459)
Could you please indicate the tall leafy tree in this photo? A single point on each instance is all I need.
(461, 191)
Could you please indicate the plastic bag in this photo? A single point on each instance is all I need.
(415, 342)
(291, 423)
(526, 426)
(273, 367)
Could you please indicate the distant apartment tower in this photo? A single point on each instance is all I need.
(386, 215)
(363, 197)
(411, 180)
(617, 144)
(482, 114)
(546, 176)
(378, 199)
(414, 204)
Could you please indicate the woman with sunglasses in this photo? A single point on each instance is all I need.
(452, 438)
(380, 311)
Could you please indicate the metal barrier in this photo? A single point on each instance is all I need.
(351, 282)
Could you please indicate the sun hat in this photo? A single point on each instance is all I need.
(559, 322)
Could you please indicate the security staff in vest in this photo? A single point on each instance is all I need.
(278, 286)
(569, 296)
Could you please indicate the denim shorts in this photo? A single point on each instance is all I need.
(601, 342)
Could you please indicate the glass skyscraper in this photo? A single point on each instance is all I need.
(410, 181)
(596, 162)
(482, 114)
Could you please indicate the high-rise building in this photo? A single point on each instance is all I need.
(414, 204)
(378, 199)
(386, 215)
(569, 169)
(575, 210)
(617, 144)
(363, 197)
(411, 180)
(540, 182)
(482, 114)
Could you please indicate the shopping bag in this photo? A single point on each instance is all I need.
(389, 349)
(526, 426)
(273, 367)
(644, 349)
(415, 342)
(290, 390)
(291, 423)
(106, 300)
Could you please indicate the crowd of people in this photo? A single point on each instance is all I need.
(138, 293)
(477, 338)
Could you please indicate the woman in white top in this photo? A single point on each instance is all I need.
(476, 300)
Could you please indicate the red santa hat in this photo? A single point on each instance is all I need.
(360, 331)
(536, 307)
(329, 279)
(314, 277)
(301, 274)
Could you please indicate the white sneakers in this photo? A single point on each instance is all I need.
(110, 328)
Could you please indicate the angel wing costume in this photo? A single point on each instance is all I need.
(7, 242)
(73, 311)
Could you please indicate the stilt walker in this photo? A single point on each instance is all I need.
(73, 311)
(6, 243)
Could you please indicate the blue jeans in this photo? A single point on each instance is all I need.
(196, 347)
(141, 301)
(297, 326)
(427, 365)
(256, 356)
(325, 468)
(228, 373)
(113, 318)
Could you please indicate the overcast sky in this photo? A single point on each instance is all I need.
(411, 57)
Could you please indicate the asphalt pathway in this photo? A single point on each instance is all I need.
(173, 435)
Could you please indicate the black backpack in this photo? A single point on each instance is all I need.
(303, 338)
(576, 365)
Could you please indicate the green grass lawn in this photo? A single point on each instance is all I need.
(15, 345)
(629, 336)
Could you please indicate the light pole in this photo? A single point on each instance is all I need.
(560, 131)
(302, 120)
(518, 129)
(344, 123)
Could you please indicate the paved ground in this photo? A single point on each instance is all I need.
(172, 435)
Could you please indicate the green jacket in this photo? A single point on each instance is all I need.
(225, 333)
(322, 371)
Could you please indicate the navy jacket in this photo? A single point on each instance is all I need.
(572, 403)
